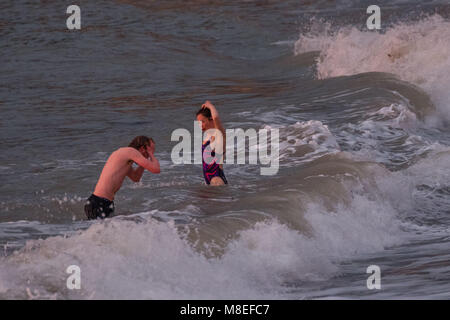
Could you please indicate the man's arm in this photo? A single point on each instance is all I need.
(151, 164)
(136, 174)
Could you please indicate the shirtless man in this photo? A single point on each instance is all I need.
(119, 165)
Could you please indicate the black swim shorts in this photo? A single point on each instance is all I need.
(97, 207)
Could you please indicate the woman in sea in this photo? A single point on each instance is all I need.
(213, 147)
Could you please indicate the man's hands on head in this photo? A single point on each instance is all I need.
(149, 151)
(151, 163)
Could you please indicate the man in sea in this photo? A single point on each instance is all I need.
(118, 166)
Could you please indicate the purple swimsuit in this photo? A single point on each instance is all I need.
(212, 169)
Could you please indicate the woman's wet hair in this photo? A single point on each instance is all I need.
(140, 141)
(204, 112)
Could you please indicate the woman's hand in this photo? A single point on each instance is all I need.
(210, 106)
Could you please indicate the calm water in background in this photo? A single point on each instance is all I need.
(364, 157)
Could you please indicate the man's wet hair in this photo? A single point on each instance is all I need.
(140, 141)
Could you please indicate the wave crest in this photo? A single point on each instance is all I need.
(415, 52)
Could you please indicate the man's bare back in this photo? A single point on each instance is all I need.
(118, 166)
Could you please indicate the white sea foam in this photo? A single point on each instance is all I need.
(417, 52)
(398, 115)
(148, 259)
(306, 140)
